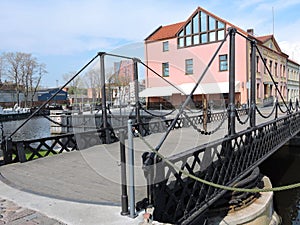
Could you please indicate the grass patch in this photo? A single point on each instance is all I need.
(41, 152)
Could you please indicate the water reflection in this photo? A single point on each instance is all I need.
(37, 127)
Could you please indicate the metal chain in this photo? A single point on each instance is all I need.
(155, 115)
(263, 116)
(281, 110)
(112, 115)
(203, 131)
(239, 119)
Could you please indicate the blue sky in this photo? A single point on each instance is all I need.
(66, 34)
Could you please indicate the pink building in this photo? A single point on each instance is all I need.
(180, 52)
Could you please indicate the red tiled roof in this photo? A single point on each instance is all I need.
(165, 32)
(263, 39)
(170, 31)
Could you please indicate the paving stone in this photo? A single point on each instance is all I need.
(12, 214)
(31, 217)
(18, 215)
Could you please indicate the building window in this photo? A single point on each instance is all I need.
(275, 68)
(201, 29)
(280, 70)
(223, 63)
(165, 69)
(189, 66)
(165, 46)
(270, 68)
(265, 66)
(181, 42)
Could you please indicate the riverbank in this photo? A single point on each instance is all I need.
(5, 117)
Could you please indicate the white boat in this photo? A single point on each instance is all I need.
(15, 110)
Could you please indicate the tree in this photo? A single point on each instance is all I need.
(1, 68)
(13, 62)
(36, 80)
(75, 85)
(93, 83)
(24, 70)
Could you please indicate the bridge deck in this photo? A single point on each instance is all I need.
(93, 175)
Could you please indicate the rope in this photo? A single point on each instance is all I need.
(219, 186)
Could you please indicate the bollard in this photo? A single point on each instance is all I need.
(124, 196)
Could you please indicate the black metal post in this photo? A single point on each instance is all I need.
(21, 152)
(103, 94)
(7, 150)
(136, 93)
(276, 108)
(231, 116)
(253, 85)
(124, 196)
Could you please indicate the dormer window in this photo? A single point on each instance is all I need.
(271, 45)
(201, 29)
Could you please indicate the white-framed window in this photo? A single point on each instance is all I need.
(165, 69)
(189, 66)
(223, 62)
(165, 46)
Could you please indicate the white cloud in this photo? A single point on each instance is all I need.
(68, 26)
(292, 49)
(73, 26)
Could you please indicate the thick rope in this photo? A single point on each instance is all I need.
(219, 186)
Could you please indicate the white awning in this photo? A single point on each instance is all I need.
(207, 88)
(159, 91)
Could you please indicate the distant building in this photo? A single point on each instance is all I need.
(180, 52)
(276, 62)
(8, 94)
(293, 69)
(123, 70)
(44, 95)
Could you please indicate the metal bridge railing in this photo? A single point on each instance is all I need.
(180, 199)
(26, 150)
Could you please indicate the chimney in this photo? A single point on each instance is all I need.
(250, 31)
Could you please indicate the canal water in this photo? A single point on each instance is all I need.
(37, 127)
(282, 168)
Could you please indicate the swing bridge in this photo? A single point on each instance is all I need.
(228, 160)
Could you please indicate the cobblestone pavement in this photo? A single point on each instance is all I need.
(12, 214)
